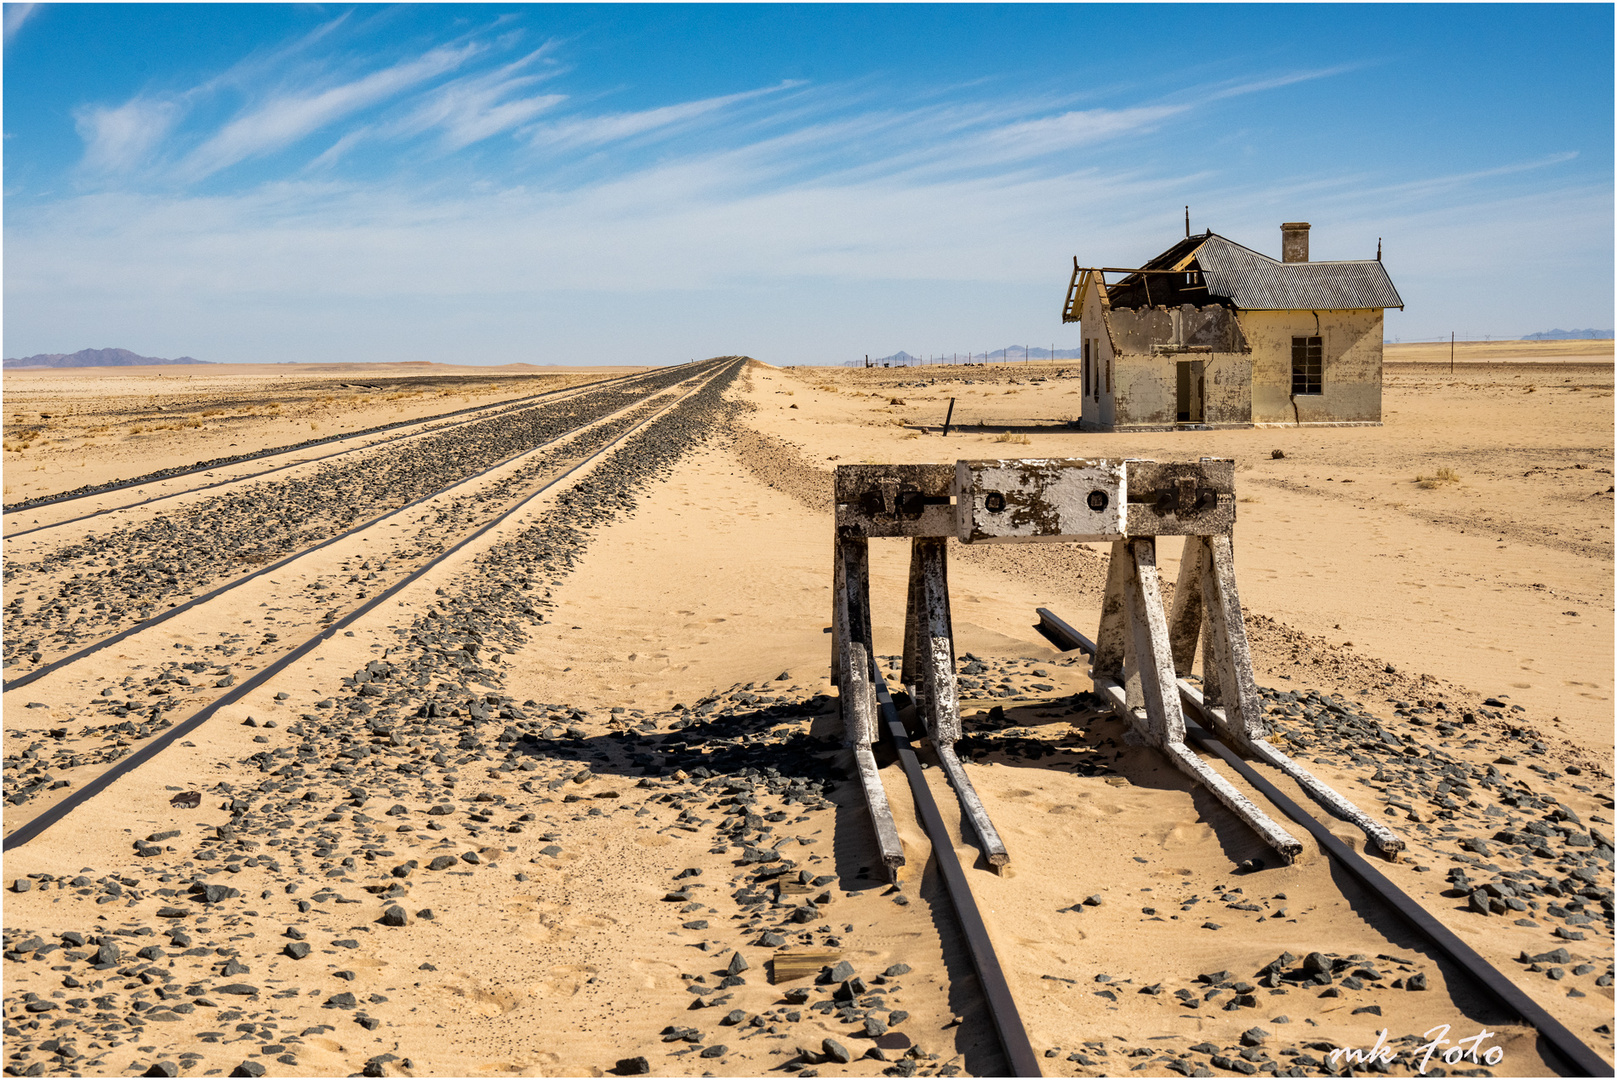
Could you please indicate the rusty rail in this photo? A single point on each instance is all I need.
(1577, 1056)
(1019, 1054)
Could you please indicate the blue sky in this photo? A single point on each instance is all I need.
(805, 184)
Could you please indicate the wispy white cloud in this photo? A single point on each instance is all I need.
(1242, 87)
(287, 117)
(120, 139)
(16, 15)
(615, 127)
(1026, 139)
(477, 107)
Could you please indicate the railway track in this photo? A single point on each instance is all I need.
(426, 423)
(485, 498)
(630, 422)
(402, 432)
(1558, 1046)
(145, 563)
(1575, 1057)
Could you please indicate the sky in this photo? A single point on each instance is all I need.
(259, 183)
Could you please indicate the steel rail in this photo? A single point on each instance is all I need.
(1007, 1018)
(1577, 1056)
(499, 408)
(179, 609)
(36, 825)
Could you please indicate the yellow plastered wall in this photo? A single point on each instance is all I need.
(1351, 380)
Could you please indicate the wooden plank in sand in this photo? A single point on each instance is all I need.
(789, 965)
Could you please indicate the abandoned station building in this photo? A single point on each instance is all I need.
(1211, 334)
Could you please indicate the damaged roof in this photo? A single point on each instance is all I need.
(1252, 281)
(1255, 282)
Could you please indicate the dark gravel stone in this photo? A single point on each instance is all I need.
(248, 1068)
(716, 1050)
(1234, 1064)
(442, 862)
(238, 989)
(162, 1068)
(635, 1066)
(835, 1051)
(297, 950)
(394, 916)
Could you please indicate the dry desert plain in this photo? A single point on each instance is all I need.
(574, 795)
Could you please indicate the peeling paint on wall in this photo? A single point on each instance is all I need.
(1144, 330)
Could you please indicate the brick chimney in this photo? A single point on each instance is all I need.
(1294, 241)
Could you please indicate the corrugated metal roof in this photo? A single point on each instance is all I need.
(1255, 282)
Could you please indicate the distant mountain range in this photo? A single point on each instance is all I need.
(1568, 335)
(94, 358)
(1010, 354)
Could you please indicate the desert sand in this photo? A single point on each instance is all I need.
(577, 797)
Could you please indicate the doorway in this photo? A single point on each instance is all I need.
(1192, 391)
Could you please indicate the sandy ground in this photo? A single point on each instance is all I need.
(556, 952)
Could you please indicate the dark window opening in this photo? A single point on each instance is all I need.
(1307, 365)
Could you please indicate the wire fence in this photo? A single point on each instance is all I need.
(1010, 354)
